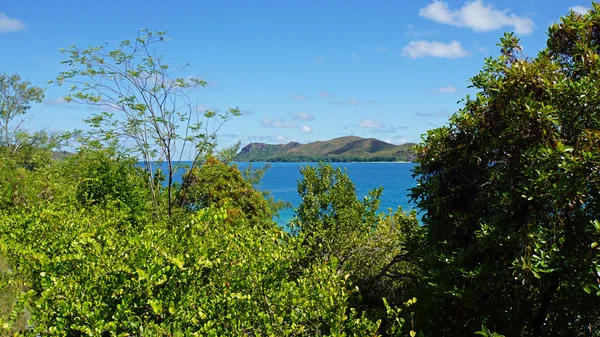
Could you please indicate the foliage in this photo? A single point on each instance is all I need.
(16, 96)
(156, 118)
(253, 176)
(330, 213)
(387, 261)
(485, 332)
(33, 149)
(510, 241)
(13, 315)
(209, 276)
(395, 328)
(22, 186)
(510, 191)
(102, 177)
(378, 252)
(218, 184)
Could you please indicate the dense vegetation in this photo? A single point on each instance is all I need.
(93, 244)
(343, 149)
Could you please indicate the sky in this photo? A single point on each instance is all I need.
(298, 70)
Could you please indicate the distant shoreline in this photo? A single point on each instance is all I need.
(329, 162)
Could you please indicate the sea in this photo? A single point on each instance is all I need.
(395, 178)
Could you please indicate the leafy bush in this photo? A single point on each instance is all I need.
(217, 184)
(102, 178)
(207, 276)
(511, 195)
(378, 252)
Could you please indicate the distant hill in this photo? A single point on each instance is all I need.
(60, 155)
(339, 149)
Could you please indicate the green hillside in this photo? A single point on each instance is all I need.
(339, 149)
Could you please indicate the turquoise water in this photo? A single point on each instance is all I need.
(395, 178)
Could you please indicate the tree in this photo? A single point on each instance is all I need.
(378, 252)
(16, 97)
(155, 115)
(81, 271)
(331, 215)
(511, 195)
(218, 184)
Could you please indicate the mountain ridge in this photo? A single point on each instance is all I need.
(345, 149)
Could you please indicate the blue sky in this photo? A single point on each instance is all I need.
(299, 70)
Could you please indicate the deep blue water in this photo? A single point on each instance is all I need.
(395, 178)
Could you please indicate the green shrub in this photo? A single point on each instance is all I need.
(511, 194)
(218, 184)
(207, 276)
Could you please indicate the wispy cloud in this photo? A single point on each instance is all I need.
(391, 129)
(303, 116)
(370, 124)
(9, 25)
(271, 139)
(325, 94)
(382, 49)
(354, 101)
(320, 60)
(246, 112)
(305, 129)
(446, 90)
(56, 101)
(64, 104)
(418, 49)
(431, 114)
(276, 123)
(203, 108)
(376, 126)
(478, 16)
(414, 32)
(298, 97)
(480, 48)
(396, 140)
(579, 9)
(230, 135)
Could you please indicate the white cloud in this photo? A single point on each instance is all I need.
(370, 124)
(478, 16)
(354, 101)
(431, 114)
(414, 32)
(284, 139)
(9, 25)
(246, 112)
(325, 94)
(230, 135)
(55, 101)
(418, 49)
(579, 9)
(391, 129)
(271, 139)
(396, 141)
(375, 126)
(298, 97)
(306, 129)
(303, 116)
(480, 49)
(276, 123)
(447, 90)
